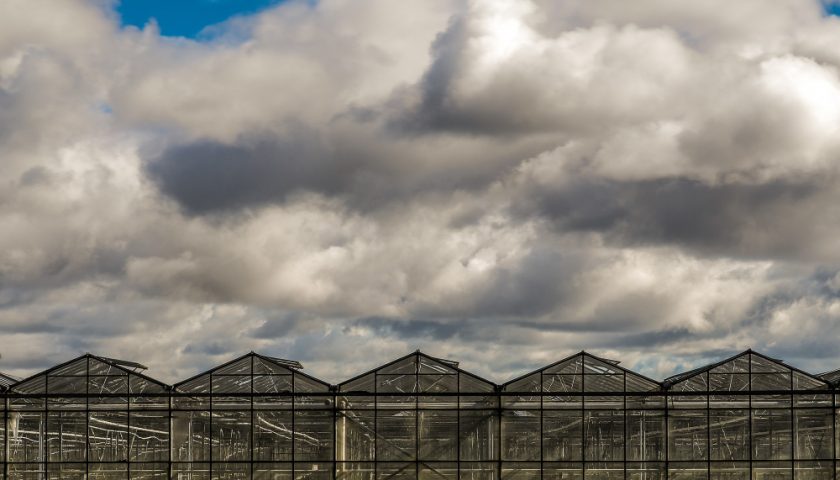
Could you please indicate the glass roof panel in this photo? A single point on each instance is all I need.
(531, 383)
(364, 383)
(197, 385)
(805, 382)
(638, 383)
(737, 365)
(562, 383)
(763, 365)
(266, 366)
(572, 365)
(396, 383)
(230, 384)
(594, 366)
(76, 367)
(771, 381)
(272, 383)
(239, 367)
(406, 365)
(603, 383)
(438, 383)
(110, 384)
(66, 384)
(696, 383)
(138, 385)
(98, 367)
(729, 382)
(430, 365)
(305, 384)
(470, 384)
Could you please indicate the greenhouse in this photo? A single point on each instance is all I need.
(420, 417)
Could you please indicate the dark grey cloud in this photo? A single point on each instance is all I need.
(207, 176)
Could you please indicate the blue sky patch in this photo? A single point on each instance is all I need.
(186, 18)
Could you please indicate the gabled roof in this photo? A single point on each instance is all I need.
(578, 363)
(81, 366)
(779, 364)
(250, 365)
(419, 363)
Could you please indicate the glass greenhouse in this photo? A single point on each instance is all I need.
(421, 417)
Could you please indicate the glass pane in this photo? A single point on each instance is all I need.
(687, 435)
(108, 437)
(396, 435)
(645, 435)
(191, 436)
(313, 435)
(479, 435)
(149, 436)
(604, 436)
(438, 435)
(813, 433)
(231, 432)
(729, 432)
(521, 435)
(771, 436)
(273, 435)
(562, 435)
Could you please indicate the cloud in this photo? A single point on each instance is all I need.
(500, 182)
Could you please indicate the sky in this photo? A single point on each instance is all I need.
(499, 182)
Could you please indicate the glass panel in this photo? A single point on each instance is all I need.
(438, 435)
(478, 471)
(273, 435)
(313, 435)
(356, 436)
(771, 436)
(688, 471)
(562, 436)
(737, 365)
(520, 471)
(67, 441)
(604, 471)
(406, 366)
(763, 365)
(396, 471)
(562, 383)
(729, 471)
(108, 437)
(149, 436)
(191, 436)
(230, 471)
(562, 471)
(729, 432)
(231, 436)
(396, 435)
(27, 436)
(813, 434)
(272, 471)
(813, 471)
(479, 435)
(238, 367)
(645, 435)
(772, 471)
(687, 435)
(438, 471)
(604, 436)
(521, 435)
(191, 471)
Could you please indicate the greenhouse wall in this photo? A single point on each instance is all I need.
(748, 417)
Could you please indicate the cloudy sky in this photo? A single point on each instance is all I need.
(341, 182)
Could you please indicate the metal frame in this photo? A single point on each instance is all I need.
(472, 413)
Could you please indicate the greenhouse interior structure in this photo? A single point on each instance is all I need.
(420, 417)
